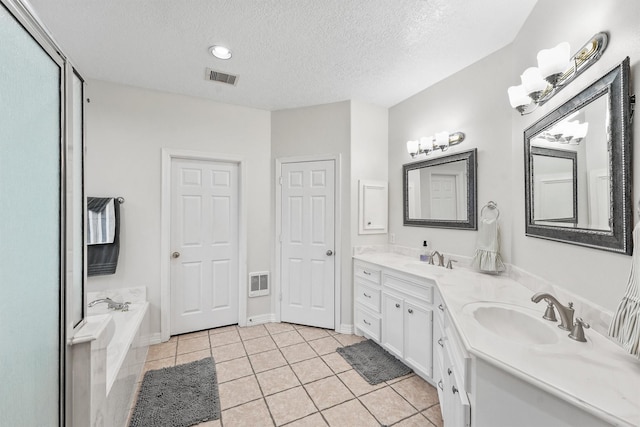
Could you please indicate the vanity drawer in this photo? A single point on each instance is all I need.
(421, 290)
(368, 295)
(368, 323)
(367, 273)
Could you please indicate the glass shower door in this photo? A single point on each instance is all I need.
(30, 228)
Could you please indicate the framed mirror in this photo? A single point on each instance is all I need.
(578, 168)
(441, 192)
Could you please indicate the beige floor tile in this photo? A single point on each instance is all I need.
(250, 414)
(237, 392)
(404, 377)
(325, 345)
(434, 414)
(214, 423)
(298, 352)
(224, 338)
(228, 352)
(158, 364)
(191, 335)
(277, 380)
(276, 328)
(336, 362)
(417, 391)
(387, 405)
(328, 392)
(193, 344)
(233, 369)
(348, 339)
(290, 405)
(288, 338)
(417, 420)
(173, 339)
(258, 345)
(351, 413)
(251, 332)
(193, 356)
(222, 329)
(357, 384)
(162, 351)
(311, 370)
(313, 420)
(268, 360)
(310, 334)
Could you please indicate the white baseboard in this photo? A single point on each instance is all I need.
(345, 329)
(155, 339)
(260, 319)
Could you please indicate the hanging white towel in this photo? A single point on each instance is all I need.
(101, 225)
(487, 256)
(625, 326)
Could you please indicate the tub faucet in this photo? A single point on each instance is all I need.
(440, 258)
(122, 306)
(565, 312)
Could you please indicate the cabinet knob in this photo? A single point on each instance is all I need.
(454, 390)
(368, 296)
(175, 255)
(441, 307)
(397, 305)
(365, 322)
(366, 272)
(440, 342)
(410, 311)
(440, 385)
(449, 371)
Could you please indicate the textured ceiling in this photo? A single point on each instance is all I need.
(287, 53)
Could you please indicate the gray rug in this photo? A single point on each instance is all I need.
(179, 396)
(373, 362)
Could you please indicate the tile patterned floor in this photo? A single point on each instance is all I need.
(280, 374)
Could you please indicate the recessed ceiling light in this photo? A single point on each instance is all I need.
(220, 52)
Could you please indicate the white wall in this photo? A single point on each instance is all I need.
(596, 275)
(126, 129)
(475, 101)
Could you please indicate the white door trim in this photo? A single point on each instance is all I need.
(165, 232)
(337, 231)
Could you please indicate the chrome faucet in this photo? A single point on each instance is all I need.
(565, 312)
(122, 306)
(440, 258)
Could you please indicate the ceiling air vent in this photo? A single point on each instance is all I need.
(218, 76)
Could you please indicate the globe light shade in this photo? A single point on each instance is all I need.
(412, 147)
(533, 82)
(554, 61)
(442, 139)
(518, 96)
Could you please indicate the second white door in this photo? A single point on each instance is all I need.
(307, 248)
(204, 241)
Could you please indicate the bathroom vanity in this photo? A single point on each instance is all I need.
(483, 343)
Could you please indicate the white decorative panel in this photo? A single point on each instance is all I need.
(295, 219)
(296, 179)
(220, 275)
(317, 283)
(192, 287)
(318, 219)
(221, 220)
(192, 220)
(191, 177)
(318, 178)
(373, 207)
(295, 280)
(220, 178)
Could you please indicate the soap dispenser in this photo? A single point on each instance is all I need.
(424, 255)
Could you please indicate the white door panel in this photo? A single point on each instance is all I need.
(307, 270)
(204, 232)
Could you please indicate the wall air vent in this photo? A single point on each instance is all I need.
(218, 76)
(258, 284)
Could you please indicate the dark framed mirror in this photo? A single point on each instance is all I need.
(441, 192)
(578, 168)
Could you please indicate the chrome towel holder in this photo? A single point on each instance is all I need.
(491, 205)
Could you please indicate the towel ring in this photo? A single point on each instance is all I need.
(491, 205)
(120, 200)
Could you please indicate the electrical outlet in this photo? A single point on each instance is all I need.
(392, 238)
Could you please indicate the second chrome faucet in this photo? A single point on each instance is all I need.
(566, 316)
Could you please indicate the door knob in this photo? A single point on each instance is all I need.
(175, 255)
(329, 252)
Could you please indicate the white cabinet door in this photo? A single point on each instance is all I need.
(392, 323)
(418, 322)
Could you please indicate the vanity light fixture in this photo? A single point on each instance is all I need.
(554, 71)
(440, 141)
(220, 52)
(567, 132)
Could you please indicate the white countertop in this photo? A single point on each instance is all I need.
(598, 376)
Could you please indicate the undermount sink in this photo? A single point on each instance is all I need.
(513, 323)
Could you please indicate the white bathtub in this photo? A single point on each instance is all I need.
(112, 360)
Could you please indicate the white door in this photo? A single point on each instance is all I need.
(204, 244)
(307, 224)
(444, 199)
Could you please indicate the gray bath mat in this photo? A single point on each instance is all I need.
(373, 362)
(179, 396)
